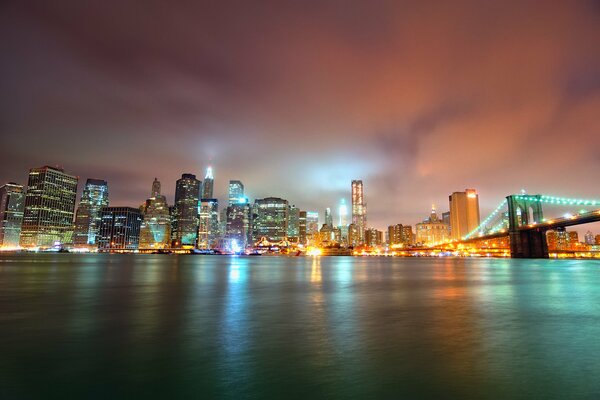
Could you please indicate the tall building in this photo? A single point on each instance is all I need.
(343, 213)
(408, 236)
(185, 211)
(302, 227)
(328, 217)
(373, 237)
(432, 231)
(589, 238)
(207, 185)
(270, 219)
(464, 213)
(49, 207)
(312, 223)
(238, 225)
(236, 192)
(119, 228)
(294, 224)
(395, 234)
(12, 202)
(155, 230)
(87, 219)
(208, 231)
(359, 209)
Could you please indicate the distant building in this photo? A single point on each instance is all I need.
(207, 185)
(312, 222)
(270, 219)
(238, 226)
(446, 220)
(432, 231)
(185, 211)
(236, 192)
(343, 214)
(561, 240)
(12, 203)
(353, 236)
(464, 213)
(359, 209)
(328, 217)
(208, 232)
(119, 228)
(408, 237)
(373, 237)
(87, 219)
(589, 238)
(395, 234)
(294, 224)
(49, 208)
(597, 239)
(155, 231)
(302, 227)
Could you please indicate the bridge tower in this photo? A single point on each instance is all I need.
(526, 243)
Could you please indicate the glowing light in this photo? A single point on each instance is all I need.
(314, 251)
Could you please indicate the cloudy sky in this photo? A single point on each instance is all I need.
(297, 98)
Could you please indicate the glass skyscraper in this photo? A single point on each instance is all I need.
(359, 210)
(12, 202)
(49, 207)
(185, 222)
(236, 192)
(208, 231)
(270, 219)
(155, 231)
(87, 219)
(207, 185)
(119, 228)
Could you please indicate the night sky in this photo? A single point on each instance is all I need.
(296, 99)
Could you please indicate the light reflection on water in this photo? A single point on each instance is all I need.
(319, 327)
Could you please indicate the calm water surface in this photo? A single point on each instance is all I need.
(108, 326)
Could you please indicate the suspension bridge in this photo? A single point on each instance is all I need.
(520, 217)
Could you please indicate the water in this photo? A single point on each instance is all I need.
(108, 326)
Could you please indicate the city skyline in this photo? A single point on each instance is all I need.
(420, 101)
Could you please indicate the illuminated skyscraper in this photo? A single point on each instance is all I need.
(359, 209)
(464, 213)
(185, 223)
(294, 224)
(312, 222)
(302, 227)
(155, 231)
(236, 192)
(207, 185)
(87, 219)
(49, 207)
(12, 202)
(270, 219)
(208, 231)
(343, 214)
(328, 217)
(238, 225)
(119, 228)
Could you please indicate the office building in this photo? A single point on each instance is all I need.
(395, 233)
(208, 231)
(49, 208)
(328, 217)
(432, 231)
(294, 224)
(343, 214)
(238, 223)
(87, 218)
(207, 185)
(373, 237)
(302, 227)
(236, 192)
(359, 209)
(270, 219)
(464, 213)
(185, 211)
(119, 228)
(155, 231)
(12, 203)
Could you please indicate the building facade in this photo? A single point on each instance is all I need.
(207, 185)
(464, 213)
(119, 228)
(293, 233)
(208, 231)
(432, 231)
(155, 231)
(238, 227)
(236, 191)
(49, 208)
(87, 218)
(12, 203)
(359, 209)
(185, 211)
(271, 219)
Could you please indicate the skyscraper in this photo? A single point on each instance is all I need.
(270, 219)
(87, 219)
(328, 217)
(49, 207)
(359, 209)
(208, 231)
(238, 225)
(464, 213)
(186, 217)
(207, 185)
(312, 222)
(236, 192)
(12, 202)
(343, 214)
(119, 228)
(155, 231)
(293, 232)
(302, 227)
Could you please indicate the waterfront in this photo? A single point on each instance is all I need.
(107, 325)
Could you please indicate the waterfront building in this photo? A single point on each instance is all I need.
(155, 230)
(359, 209)
(208, 231)
(408, 237)
(185, 211)
(87, 218)
(432, 231)
(302, 227)
(270, 219)
(464, 213)
(236, 191)
(238, 223)
(119, 228)
(294, 224)
(563, 240)
(353, 236)
(395, 234)
(207, 185)
(49, 207)
(12, 203)
(589, 238)
(373, 237)
(312, 222)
